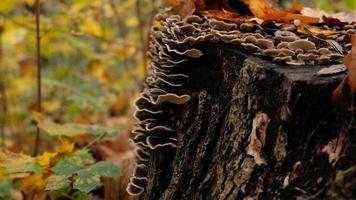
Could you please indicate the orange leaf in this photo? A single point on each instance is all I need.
(350, 63)
(183, 7)
(336, 95)
(259, 8)
(295, 8)
(35, 181)
(313, 30)
(224, 15)
(262, 10)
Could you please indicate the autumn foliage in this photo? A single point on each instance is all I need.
(350, 63)
(221, 9)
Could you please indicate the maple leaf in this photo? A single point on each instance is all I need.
(34, 181)
(66, 147)
(224, 15)
(350, 63)
(263, 10)
(46, 158)
(13, 163)
(183, 7)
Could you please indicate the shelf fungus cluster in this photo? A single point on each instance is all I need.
(173, 44)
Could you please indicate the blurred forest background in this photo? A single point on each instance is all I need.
(93, 56)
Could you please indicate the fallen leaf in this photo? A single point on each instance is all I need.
(261, 9)
(183, 7)
(66, 147)
(316, 31)
(46, 159)
(350, 62)
(13, 163)
(224, 15)
(336, 95)
(33, 182)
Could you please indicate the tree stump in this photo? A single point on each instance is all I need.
(254, 129)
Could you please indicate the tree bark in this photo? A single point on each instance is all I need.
(257, 130)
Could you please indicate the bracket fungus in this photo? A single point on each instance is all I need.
(174, 45)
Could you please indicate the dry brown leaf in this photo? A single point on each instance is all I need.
(261, 9)
(316, 31)
(336, 95)
(183, 7)
(224, 15)
(350, 62)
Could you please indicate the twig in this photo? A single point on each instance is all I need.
(100, 137)
(3, 97)
(39, 89)
(142, 34)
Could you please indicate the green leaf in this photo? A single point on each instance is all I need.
(57, 182)
(89, 178)
(87, 183)
(6, 187)
(18, 163)
(7, 5)
(72, 130)
(70, 163)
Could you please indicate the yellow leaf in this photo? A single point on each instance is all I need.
(51, 106)
(132, 22)
(97, 69)
(66, 147)
(30, 2)
(125, 52)
(35, 181)
(13, 163)
(7, 5)
(55, 129)
(45, 159)
(91, 27)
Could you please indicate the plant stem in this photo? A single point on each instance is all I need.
(3, 97)
(39, 89)
(142, 34)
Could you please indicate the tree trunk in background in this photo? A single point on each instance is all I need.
(258, 130)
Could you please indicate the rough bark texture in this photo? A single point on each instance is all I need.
(309, 146)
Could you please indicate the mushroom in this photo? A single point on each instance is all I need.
(192, 19)
(323, 59)
(302, 44)
(299, 51)
(193, 53)
(155, 142)
(283, 59)
(250, 46)
(172, 98)
(265, 43)
(221, 25)
(285, 36)
(154, 127)
(307, 58)
(146, 113)
(140, 140)
(140, 171)
(134, 190)
(323, 51)
(246, 27)
(141, 154)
